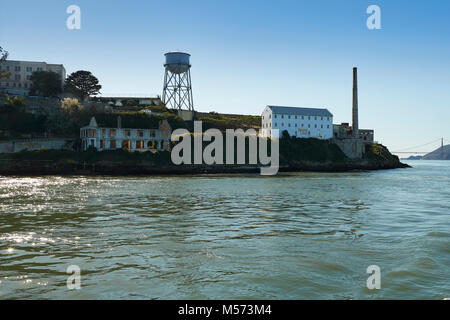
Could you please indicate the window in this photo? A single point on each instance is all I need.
(29, 69)
(296, 125)
(309, 118)
(140, 133)
(328, 126)
(275, 124)
(321, 118)
(17, 77)
(112, 144)
(140, 144)
(102, 144)
(295, 117)
(112, 133)
(17, 68)
(289, 117)
(315, 118)
(289, 124)
(151, 144)
(321, 125)
(309, 126)
(270, 116)
(282, 116)
(28, 77)
(92, 133)
(127, 133)
(303, 117)
(275, 116)
(315, 126)
(282, 124)
(302, 125)
(104, 132)
(126, 144)
(7, 68)
(38, 69)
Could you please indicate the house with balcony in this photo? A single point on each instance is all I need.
(131, 139)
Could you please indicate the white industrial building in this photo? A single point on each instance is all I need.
(298, 122)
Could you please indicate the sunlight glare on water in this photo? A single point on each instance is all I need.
(293, 236)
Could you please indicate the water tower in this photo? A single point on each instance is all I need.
(177, 89)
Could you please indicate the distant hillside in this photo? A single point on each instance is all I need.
(413, 158)
(436, 154)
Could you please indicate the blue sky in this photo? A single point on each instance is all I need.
(247, 54)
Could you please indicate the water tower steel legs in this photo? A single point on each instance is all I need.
(177, 90)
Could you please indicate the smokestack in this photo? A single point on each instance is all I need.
(355, 103)
(119, 122)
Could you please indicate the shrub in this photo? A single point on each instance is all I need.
(15, 102)
(70, 105)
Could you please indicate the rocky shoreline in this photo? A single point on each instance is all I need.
(37, 168)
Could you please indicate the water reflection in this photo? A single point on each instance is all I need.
(294, 236)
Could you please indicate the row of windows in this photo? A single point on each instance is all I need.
(14, 85)
(295, 132)
(269, 125)
(296, 117)
(17, 69)
(92, 133)
(128, 144)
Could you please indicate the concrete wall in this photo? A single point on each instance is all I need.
(11, 146)
(353, 148)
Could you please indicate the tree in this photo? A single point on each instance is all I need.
(83, 84)
(45, 83)
(3, 56)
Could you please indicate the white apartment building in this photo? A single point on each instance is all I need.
(131, 139)
(19, 82)
(298, 122)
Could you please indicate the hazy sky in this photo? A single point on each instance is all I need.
(248, 54)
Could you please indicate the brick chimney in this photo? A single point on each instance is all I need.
(355, 127)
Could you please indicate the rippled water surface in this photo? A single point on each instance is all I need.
(293, 236)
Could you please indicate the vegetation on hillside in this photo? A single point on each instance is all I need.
(71, 116)
(293, 149)
(379, 153)
(223, 121)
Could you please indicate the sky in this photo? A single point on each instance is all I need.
(248, 54)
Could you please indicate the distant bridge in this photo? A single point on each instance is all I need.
(408, 150)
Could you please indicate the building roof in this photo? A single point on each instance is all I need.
(301, 111)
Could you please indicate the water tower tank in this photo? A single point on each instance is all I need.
(177, 62)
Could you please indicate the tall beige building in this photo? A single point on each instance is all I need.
(19, 82)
